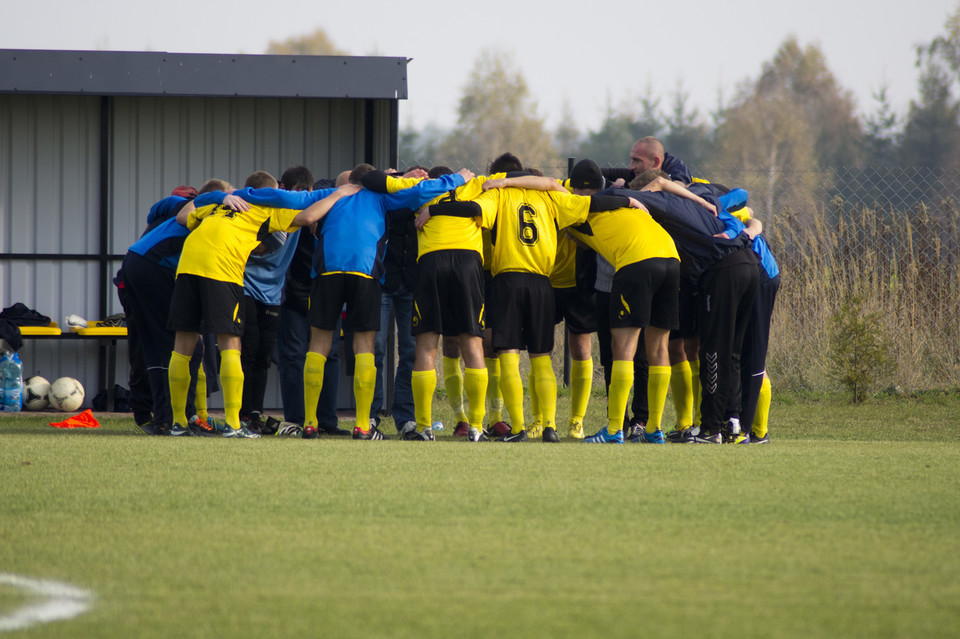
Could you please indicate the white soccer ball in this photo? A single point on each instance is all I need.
(66, 394)
(35, 393)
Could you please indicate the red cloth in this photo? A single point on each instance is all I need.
(83, 420)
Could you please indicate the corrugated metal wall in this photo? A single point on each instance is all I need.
(50, 186)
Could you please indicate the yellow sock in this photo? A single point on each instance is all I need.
(231, 382)
(695, 388)
(762, 416)
(453, 383)
(200, 401)
(475, 383)
(364, 384)
(178, 374)
(621, 381)
(581, 383)
(682, 386)
(494, 400)
(312, 385)
(658, 383)
(424, 383)
(534, 398)
(512, 389)
(545, 381)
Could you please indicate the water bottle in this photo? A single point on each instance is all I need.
(11, 382)
(437, 426)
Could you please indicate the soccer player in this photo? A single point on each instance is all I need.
(293, 336)
(448, 300)
(349, 263)
(263, 283)
(396, 309)
(724, 274)
(524, 225)
(149, 274)
(753, 413)
(643, 296)
(209, 288)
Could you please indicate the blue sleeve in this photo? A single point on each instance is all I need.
(166, 208)
(417, 196)
(734, 199)
(279, 198)
(731, 225)
(208, 198)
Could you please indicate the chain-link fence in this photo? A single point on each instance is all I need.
(889, 237)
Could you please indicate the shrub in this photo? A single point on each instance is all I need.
(859, 349)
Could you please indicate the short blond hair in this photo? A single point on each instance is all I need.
(215, 184)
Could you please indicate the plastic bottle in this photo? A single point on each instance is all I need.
(11, 382)
(437, 426)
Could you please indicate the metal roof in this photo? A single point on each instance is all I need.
(138, 73)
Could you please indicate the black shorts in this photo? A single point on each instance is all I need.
(578, 308)
(489, 314)
(525, 316)
(203, 305)
(646, 293)
(361, 295)
(449, 294)
(689, 327)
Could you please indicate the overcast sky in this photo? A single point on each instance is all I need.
(589, 54)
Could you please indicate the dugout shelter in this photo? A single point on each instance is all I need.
(89, 140)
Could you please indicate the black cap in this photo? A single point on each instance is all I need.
(586, 174)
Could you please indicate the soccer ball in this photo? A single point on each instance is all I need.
(35, 393)
(66, 394)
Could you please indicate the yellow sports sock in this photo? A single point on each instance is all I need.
(178, 374)
(312, 385)
(534, 396)
(658, 383)
(424, 383)
(231, 383)
(200, 401)
(494, 399)
(581, 383)
(762, 416)
(364, 384)
(453, 383)
(475, 383)
(512, 389)
(545, 381)
(695, 388)
(682, 386)
(621, 381)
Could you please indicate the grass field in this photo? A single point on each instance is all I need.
(848, 524)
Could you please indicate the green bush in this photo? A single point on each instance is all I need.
(859, 349)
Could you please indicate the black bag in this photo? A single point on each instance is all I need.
(121, 400)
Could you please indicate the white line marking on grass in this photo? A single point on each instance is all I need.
(63, 601)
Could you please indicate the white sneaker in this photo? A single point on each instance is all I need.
(476, 435)
(76, 321)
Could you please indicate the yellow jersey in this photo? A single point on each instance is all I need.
(524, 225)
(218, 247)
(624, 236)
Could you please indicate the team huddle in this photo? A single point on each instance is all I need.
(670, 272)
